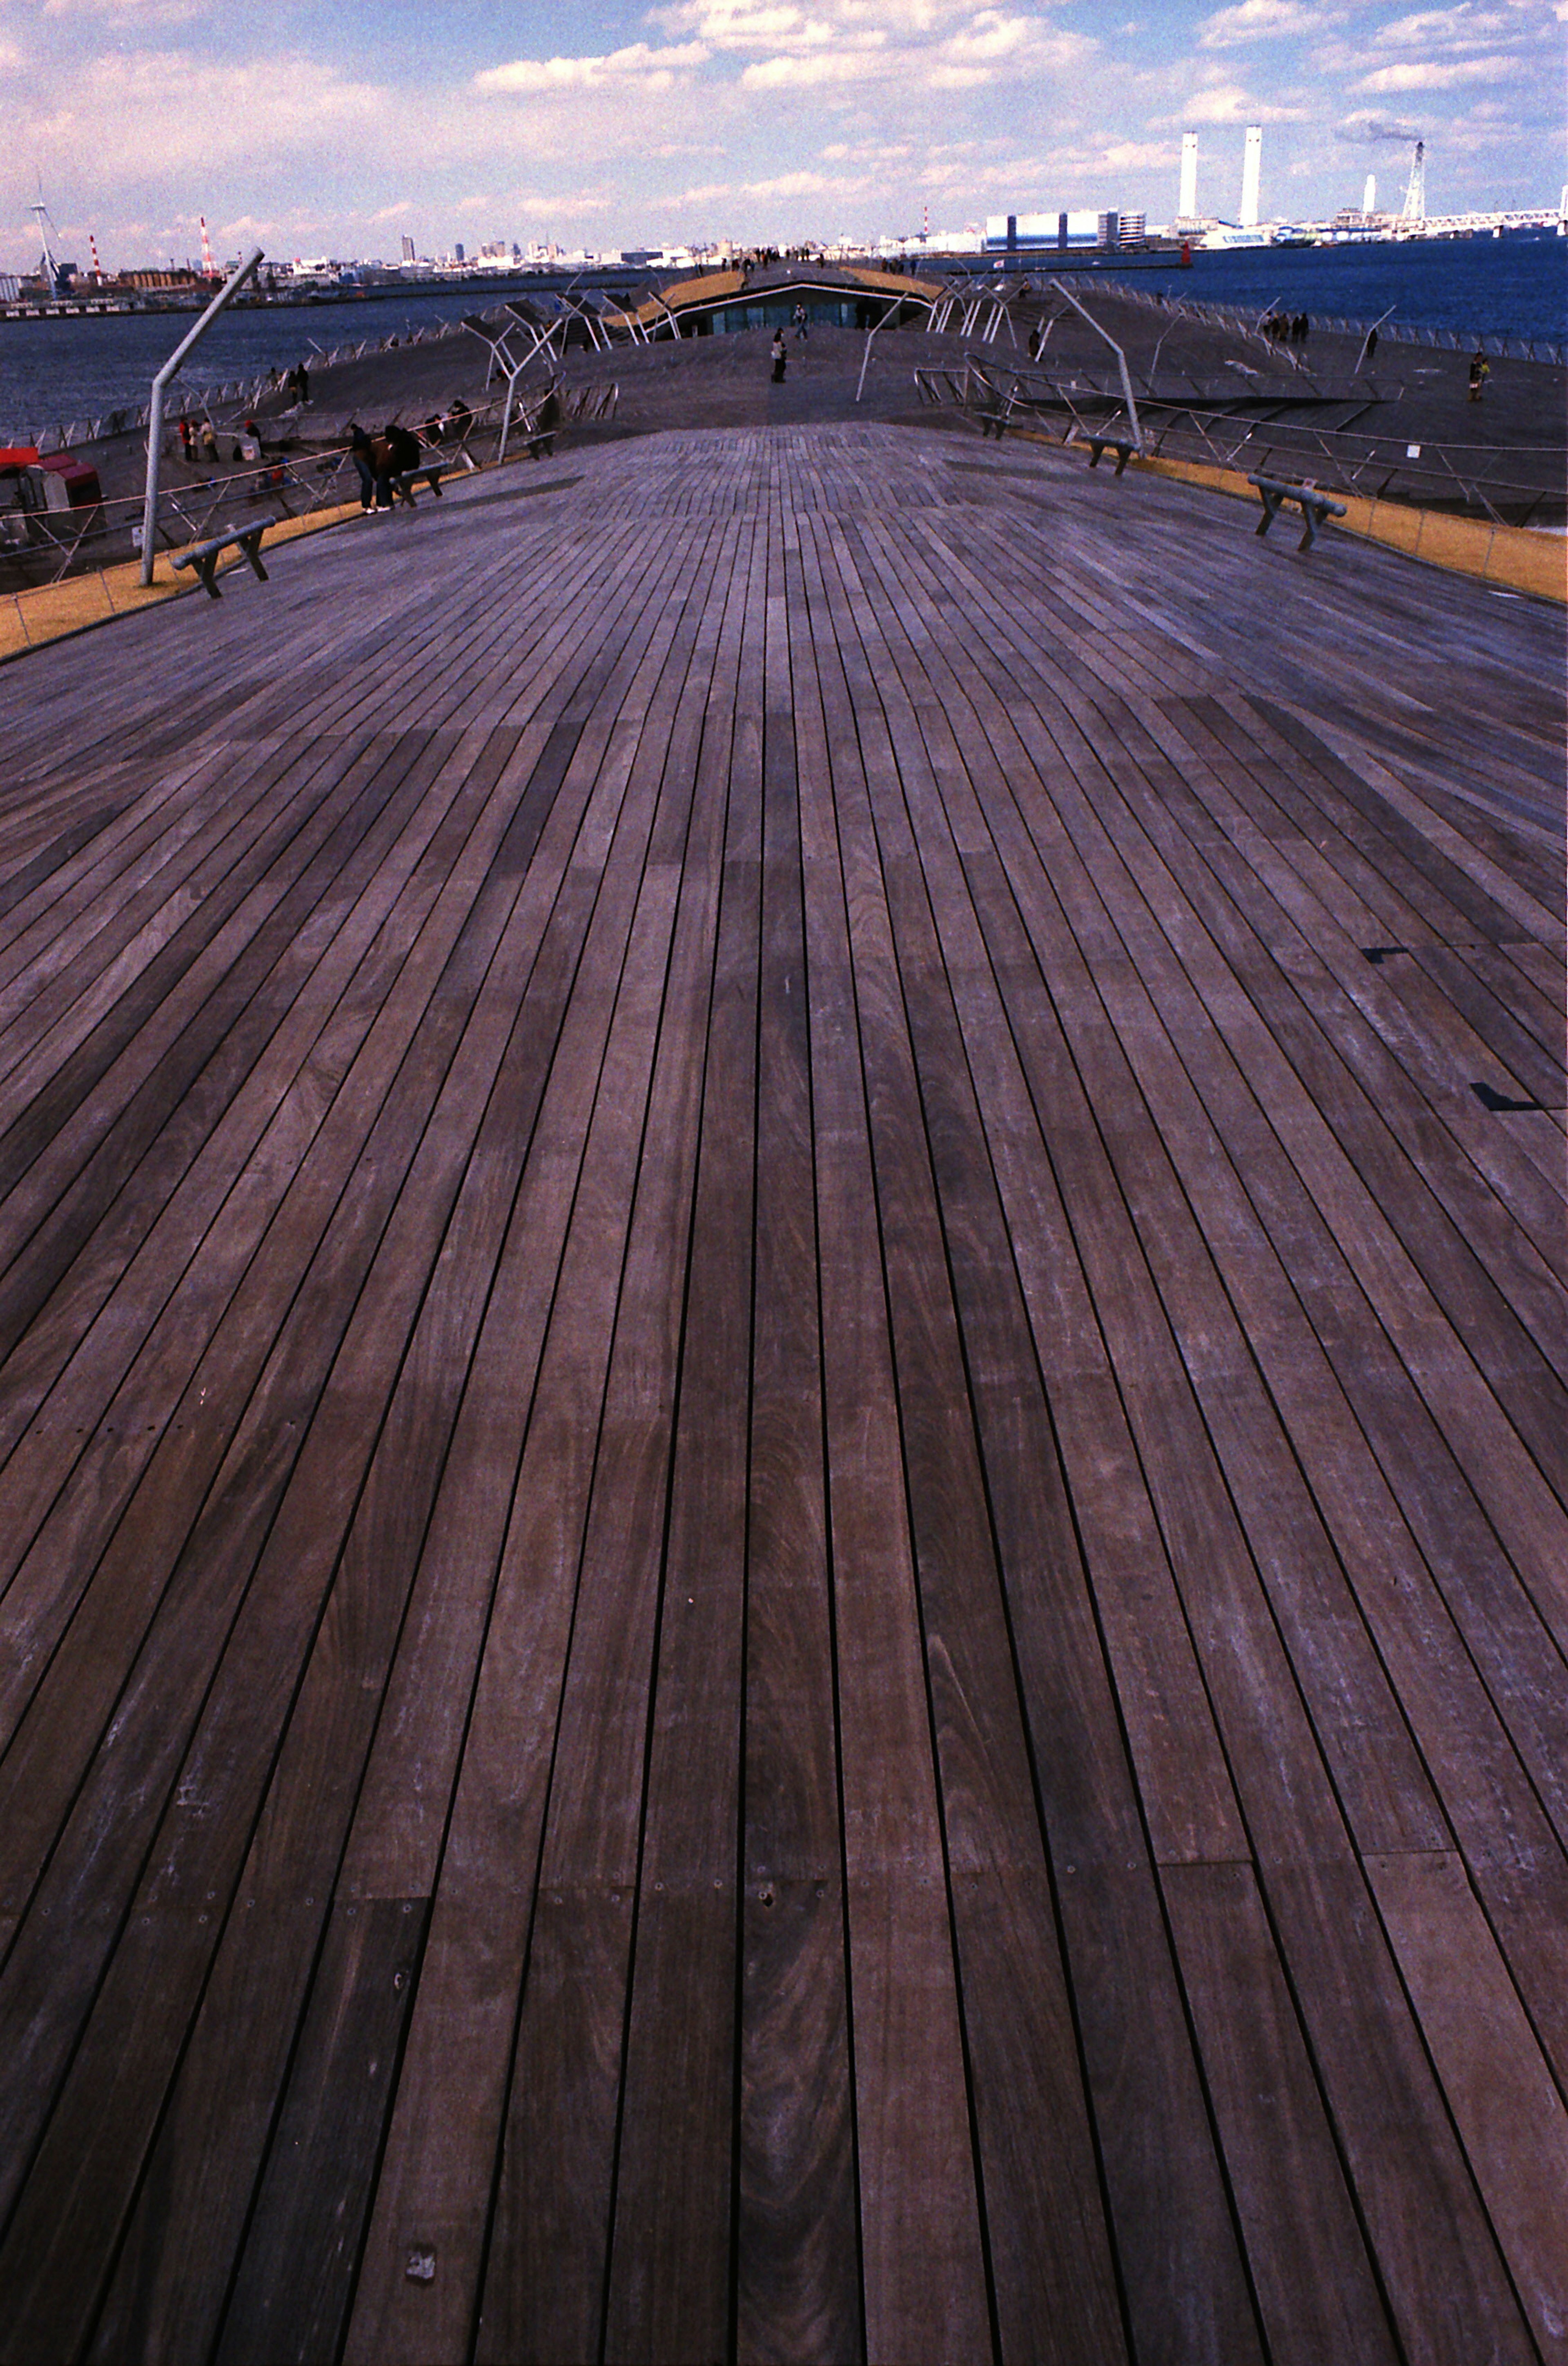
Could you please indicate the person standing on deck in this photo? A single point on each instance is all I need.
(1480, 371)
(781, 358)
(800, 321)
(362, 452)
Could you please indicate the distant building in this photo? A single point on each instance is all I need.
(1118, 230)
(1033, 234)
(409, 256)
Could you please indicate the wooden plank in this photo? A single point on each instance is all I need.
(1124, 1550)
(797, 2254)
(171, 1216)
(427, 1207)
(217, 1358)
(1447, 2287)
(208, 1811)
(440, 2196)
(670, 2270)
(85, 1135)
(259, 1979)
(294, 2276)
(1508, 2110)
(1438, 1052)
(1049, 2245)
(216, 1173)
(1520, 1509)
(1317, 2294)
(923, 2268)
(1168, 2211)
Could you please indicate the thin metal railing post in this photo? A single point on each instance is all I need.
(895, 307)
(1120, 361)
(1377, 324)
(506, 411)
(225, 294)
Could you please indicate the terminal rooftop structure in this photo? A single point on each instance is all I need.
(782, 1481)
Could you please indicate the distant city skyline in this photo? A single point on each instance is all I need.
(310, 129)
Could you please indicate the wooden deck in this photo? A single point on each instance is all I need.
(786, 1568)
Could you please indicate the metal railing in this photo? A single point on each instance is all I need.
(1407, 333)
(1471, 478)
(40, 546)
(235, 396)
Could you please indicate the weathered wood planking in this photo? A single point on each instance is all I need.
(781, 1468)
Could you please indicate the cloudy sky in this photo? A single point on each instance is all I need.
(331, 125)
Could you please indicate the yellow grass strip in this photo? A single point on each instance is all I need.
(1512, 556)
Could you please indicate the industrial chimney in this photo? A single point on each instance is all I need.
(1251, 170)
(1187, 205)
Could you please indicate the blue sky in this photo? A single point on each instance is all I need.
(306, 127)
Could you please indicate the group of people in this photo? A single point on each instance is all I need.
(382, 461)
(1288, 328)
(198, 445)
(295, 383)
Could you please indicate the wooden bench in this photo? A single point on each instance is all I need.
(1315, 507)
(203, 556)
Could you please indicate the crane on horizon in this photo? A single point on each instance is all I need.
(1415, 207)
(49, 268)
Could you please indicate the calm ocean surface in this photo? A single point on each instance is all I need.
(63, 370)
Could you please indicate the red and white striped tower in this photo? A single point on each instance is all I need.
(209, 267)
(97, 266)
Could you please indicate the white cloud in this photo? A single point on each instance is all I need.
(990, 36)
(725, 26)
(116, 109)
(531, 77)
(1264, 20)
(1441, 28)
(1228, 103)
(812, 73)
(1426, 75)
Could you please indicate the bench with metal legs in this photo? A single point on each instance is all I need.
(203, 556)
(1317, 508)
(428, 472)
(1122, 446)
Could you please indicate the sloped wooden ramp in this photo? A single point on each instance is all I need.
(782, 1518)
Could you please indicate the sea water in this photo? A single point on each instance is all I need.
(54, 371)
(1468, 288)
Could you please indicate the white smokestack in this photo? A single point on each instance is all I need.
(1370, 195)
(1187, 207)
(1251, 169)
